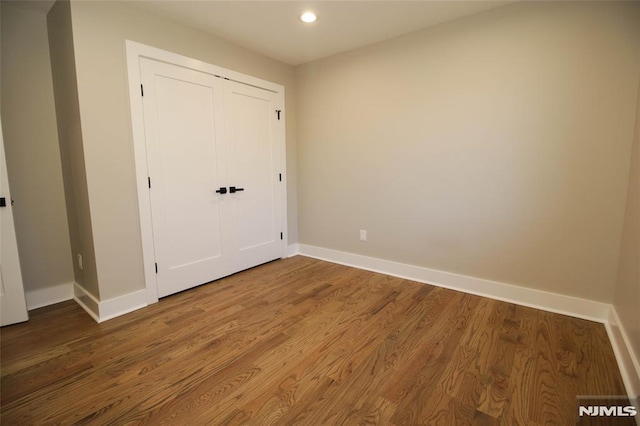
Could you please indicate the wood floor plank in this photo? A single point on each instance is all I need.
(421, 397)
(337, 361)
(495, 364)
(306, 342)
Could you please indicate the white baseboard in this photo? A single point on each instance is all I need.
(122, 304)
(544, 300)
(105, 310)
(49, 296)
(86, 301)
(292, 250)
(627, 359)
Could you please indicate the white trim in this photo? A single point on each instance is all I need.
(627, 359)
(146, 51)
(86, 301)
(292, 250)
(544, 300)
(122, 304)
(135, 51)
(140, 157)
(282, 166)
(108, 309)
(49, 296)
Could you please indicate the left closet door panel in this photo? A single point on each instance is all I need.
(186, 162)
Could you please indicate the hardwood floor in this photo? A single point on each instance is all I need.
(300, 341)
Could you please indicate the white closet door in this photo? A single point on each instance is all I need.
(13, 306)
(186, 163)
(253, 155)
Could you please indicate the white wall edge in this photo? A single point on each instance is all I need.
(538, 299)
(626, 358)
(105, 310)
(49, 296)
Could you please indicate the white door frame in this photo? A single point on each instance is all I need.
(135, 51)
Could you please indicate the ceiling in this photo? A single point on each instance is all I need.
(273, 28)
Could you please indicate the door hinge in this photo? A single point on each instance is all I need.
(280, 176)
(141, 90)
(149, 181)
(156, 268)
(281, 236)
(278, 111)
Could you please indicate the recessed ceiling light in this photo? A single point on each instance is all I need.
(308, 17)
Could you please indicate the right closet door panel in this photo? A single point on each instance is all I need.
(253, 163)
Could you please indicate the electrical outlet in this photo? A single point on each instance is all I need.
(80, 261)
(363, 235)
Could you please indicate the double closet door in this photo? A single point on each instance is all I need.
(214, 164)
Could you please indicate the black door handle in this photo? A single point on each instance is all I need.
(222, 190)
(233, 189)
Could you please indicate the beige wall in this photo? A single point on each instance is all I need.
(33, 155)
(627, 295)
(71, 147)
(495, 146)
(99, 31)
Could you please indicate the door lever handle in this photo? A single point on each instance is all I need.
(222, 190)
(233, 189)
